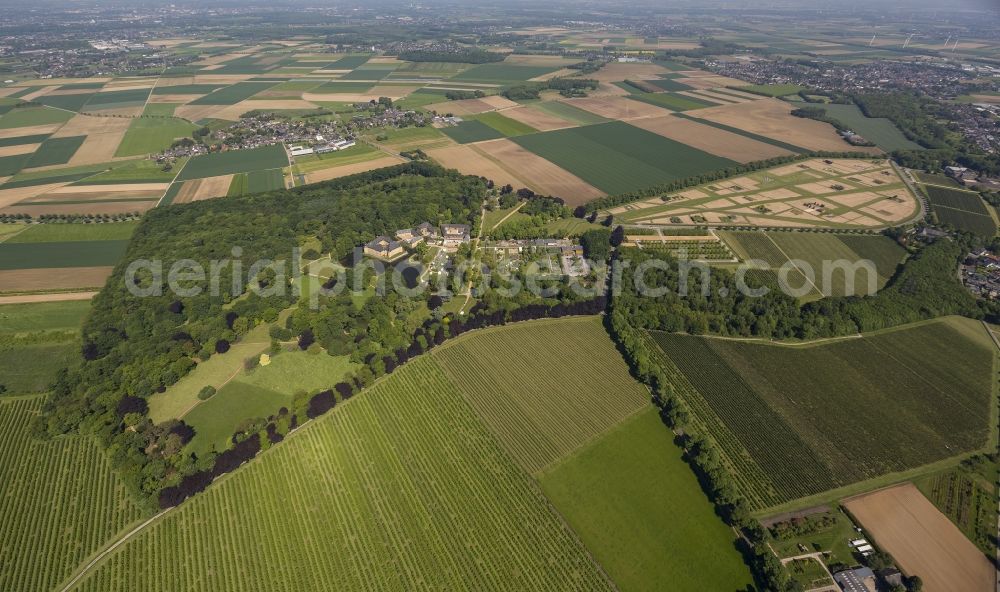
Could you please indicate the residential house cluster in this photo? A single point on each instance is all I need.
(981, 274)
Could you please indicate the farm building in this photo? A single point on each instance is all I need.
(383, 247)
(455, 234)
(301, 150)
(859, 579)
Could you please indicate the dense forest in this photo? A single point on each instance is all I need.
(925, 287)
(134, 346)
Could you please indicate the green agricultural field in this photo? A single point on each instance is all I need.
(505, 125)
(568, 112)
(347, 62)
(360, 493)
(269, 180)
(672, 101)
(230, 95)
(134, 171)
(149, 135)
(74, 102)
(21, 140)
(616, 157)
(318, 162)
(669, 84)
(772, 90)
(471, 130)
(408, 136)
(61, 254)
(10, 165)
(812, 251)
(32, 367)
(52, 233)
(503, 73)
(336, 86)
(187, 89)
(936, 179)
(55, 151)
(236, 161)
(29, 116)
(63, 175)
(881, 131)
(43, 316)
(640, 511)
(62, 501)
(961, 209)
(797, 421)
(364, 73)
(117, 99)
(567, 402)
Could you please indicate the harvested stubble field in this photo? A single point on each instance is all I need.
(539, 174)
(772, 118)
(709, 139)
(786, 429)
(922, 540)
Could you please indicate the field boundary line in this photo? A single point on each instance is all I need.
(495, 226)
(789, 259)
(121, 541)
(172, 181)
(575, 452)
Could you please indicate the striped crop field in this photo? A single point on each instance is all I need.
(400, 488)
(61, 501)
(794, 422)
(538, 388)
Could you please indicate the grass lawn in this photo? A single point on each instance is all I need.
(640, 511)
(235, 161)
(833, 539)
(297, 370)
(43, 316)
(49, 233)
(216, 419)
(616, 157)
(149, 135)
(32, 368)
